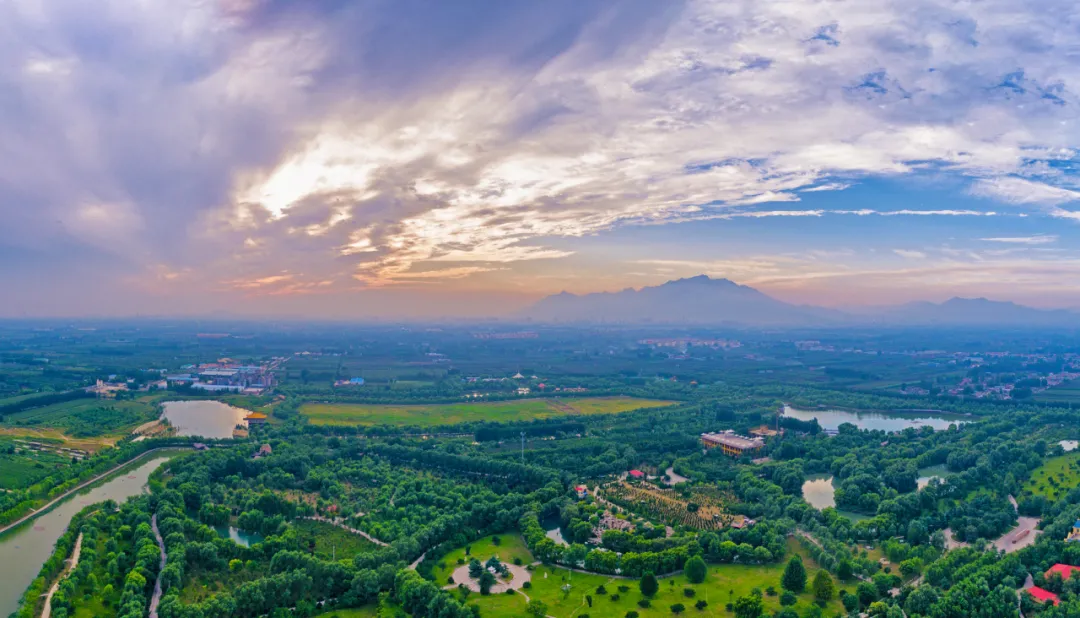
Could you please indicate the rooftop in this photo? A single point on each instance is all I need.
(732, 440)
(256, 416)
(1043, 595)
(1064, 570)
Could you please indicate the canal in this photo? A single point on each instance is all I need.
(24, 549)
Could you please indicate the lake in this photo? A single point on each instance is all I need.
(206, 419)
(819, 492)
(831, 419)
(238, 536)
(25, 549)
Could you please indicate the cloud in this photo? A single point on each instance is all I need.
(1022, 191)
(374, 143)
(909, 254)
(1038, 239)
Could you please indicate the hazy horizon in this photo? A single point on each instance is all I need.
(422, 160)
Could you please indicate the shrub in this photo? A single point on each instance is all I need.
(615, 597)
(770, 591)
(601, 589)
(678, 608)
(701, 604)
(644, 603)
(624, 589)
(526, 585)
(788, 598)
(689, 593)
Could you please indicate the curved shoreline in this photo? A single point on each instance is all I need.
(67, 494)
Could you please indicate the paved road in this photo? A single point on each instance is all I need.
(72, 563)
(156, 599)
(54, 501)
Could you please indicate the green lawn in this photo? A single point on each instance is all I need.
(510, 546)
(451, 414)
(1055, 477)
(330, 541)
(724, 584)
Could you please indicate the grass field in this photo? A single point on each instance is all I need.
(724, 584)
(1056, 477)
(451, 414)
(510, 546)
(369, 611)
(330, 542)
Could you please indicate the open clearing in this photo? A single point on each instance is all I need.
(454, 413)
(1056, 477)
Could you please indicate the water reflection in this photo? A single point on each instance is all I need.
(832, 419)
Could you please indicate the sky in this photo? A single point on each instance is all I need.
(411, 159)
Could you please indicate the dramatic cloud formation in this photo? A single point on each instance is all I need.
(272, 156)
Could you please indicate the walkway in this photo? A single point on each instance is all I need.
(156, 599)
(1023, 535)
(519, 575)
(72, 563)
(340, 524)
(54, 501)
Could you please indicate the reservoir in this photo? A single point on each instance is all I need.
(205, 419)
(831, 419)
(24, 549)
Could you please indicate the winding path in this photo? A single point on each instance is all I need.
(84, 485)
(156, 599)
(340, 524)
(72, 563)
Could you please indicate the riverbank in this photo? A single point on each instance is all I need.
(72, 563)
(48, 505)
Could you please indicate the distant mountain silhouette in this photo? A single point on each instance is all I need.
(700, 300)
(703, 300)
(976, 311)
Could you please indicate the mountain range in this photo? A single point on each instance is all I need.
(704, 300)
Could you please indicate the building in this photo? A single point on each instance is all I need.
(1064, 570)
(1074, 534)
(731, 443)
(637, 474)
(264, 451)
(255, 418)
(582, 491)
(1042, 595)
(199, 446)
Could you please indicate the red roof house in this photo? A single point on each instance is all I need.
(1042, 595)
(637, 474)
(1064, 570)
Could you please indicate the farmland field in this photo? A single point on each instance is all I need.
(1055, 477)
(85, 418)
(1066, 393)
(450, 414)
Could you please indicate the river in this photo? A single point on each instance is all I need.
(24, 549)
(831, 419)
(203, 418)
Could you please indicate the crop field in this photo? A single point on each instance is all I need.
(703, 510)
(1066, 393)
(451, 414)
(1055, 477)
(723, 585)
(85, 418)
(23, 469)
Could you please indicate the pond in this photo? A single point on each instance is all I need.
(819, 492)
(25, 549)
(1069, 445)
(553, 530)
(831, 419)
(238, 536)
(206, 419)
(930, 473)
